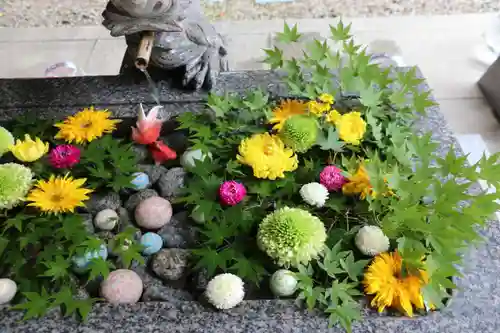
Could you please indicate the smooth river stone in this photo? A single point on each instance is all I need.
(122, 286)
(153, 213)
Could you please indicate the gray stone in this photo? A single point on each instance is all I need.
(126, 221)
(178, 141)
(135, 199)
(141, 152)
(179, 232)
(88, 222)
(171, 183)
(100, 201)
(170, 264)
(200, 280)
(153, 171)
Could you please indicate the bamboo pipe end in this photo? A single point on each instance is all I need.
(144, 51)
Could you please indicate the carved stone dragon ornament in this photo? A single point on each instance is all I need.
(183, 36)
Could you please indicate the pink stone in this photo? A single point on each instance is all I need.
(153, 213)
(122, 286)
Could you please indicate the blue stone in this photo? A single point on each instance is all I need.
(140, 181)
(152, 243)
(81, 263)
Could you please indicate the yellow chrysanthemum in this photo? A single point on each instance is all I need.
(359, 183)
(333, 117)
(351, 127)
(286, 109)
(58, 194)
(318, 108)
(326, 98)
(383, 279)
(267, 156)
(86, 126)
(29, 150)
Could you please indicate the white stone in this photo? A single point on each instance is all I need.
(106, 219)
(189, 157)
(283, 283)
(8, 290)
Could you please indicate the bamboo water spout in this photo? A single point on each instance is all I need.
(169, 34)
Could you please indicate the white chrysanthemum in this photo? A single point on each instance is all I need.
(225, 291)
(283, 283)
(371, 240)
(314, 194)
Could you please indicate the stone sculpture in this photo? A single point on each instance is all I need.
(182, 37)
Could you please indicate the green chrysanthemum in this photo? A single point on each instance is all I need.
(300, 132)
(6, 140)
(15, 182)
(291, 236)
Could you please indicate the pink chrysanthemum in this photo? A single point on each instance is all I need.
(231, 192)
(64, 156)
(331, 177)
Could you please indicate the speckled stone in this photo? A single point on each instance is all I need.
(179, 232)
(141, 152)
(88, 222)
(137, 198)
(101, 201)
(474, 308)
(170, 264)
(153, 171)
(171, 183)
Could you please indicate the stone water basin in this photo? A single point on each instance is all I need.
(474, 307)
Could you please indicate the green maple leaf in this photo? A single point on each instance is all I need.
(234, 168)
(36, 305)
(353, 268)
(256, 100)
(422, 100)
(274, 57)
(340, 32)
(289, 35)
(130, 253)
(248, 269)
(317, 50)
(375, 127)
(98, 267)
(58, 268)
(331, 141)
(216, 232)
(369, 96)
(15, 222)
(344, 314)
(211, 260)
(220, 105)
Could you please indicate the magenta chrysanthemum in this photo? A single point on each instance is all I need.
(64, 156)
(331, 177)
(231, 192)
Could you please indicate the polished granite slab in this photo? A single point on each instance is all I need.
(474, 308)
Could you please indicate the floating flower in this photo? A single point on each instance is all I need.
(332, 178)
(64, 156)
(326, 98)
(15, 182)
(371, 240)
(6, 141)
(351, 127)
(231, 193)
(384, 279)
(359, 183)
(291, 236)
(267, 156)
(162, 153)
(300, 133)
(29, 150)
(286, 109)
(148, 127)
(58, 194)
(318, 108)
(86, 125)
(225, 291)
(315, 194)
(333, 117)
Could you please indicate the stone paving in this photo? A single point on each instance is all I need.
(442, 46)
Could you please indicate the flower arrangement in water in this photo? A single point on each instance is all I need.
(327, 195)
(328, 186)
